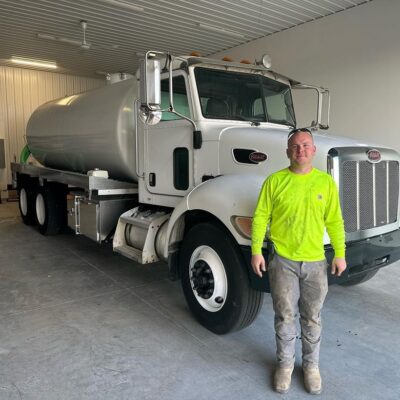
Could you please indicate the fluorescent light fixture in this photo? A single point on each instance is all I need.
(220, 30)
(124, 4)
(34, 63)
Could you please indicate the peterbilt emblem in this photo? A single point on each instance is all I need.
(374, 155)
(257, 157)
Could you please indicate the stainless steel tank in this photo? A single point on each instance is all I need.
(94, 129)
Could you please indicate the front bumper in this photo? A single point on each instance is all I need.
(361, 256)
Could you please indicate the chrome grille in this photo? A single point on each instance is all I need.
(393, 178)
(370, 194)
(381, 193)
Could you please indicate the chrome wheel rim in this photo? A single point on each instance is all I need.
(23, 202)
(40, 209)
(208, 278)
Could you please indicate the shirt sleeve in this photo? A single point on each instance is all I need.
(261, 218)
(334, 221)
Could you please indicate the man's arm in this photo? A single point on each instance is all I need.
(335, 228)
(261, 218)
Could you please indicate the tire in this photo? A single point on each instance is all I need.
(215, 280)
(26, 202)
(50, 209)
(361, 278)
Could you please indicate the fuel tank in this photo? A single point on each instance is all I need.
(94, 129)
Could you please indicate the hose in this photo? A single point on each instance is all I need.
(25, 153)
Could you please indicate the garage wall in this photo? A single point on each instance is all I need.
(21, 91)
(356, 54)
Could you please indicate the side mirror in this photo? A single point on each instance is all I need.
(323, 106)
(150, 89)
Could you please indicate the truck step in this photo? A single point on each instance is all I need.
(130, 252)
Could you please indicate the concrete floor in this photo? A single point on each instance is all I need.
(80, 322)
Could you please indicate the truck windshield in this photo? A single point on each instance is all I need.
(244, 97)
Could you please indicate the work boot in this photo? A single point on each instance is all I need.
(282, 379)
(312, 380)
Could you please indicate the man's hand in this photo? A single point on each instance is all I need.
(258, 264)
(338, 266)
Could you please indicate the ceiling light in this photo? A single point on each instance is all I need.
(34, 63)
(221, 30)
(124, 4)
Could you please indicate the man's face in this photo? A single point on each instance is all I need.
(301, 149)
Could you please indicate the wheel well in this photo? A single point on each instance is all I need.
(190, 219)
(196, 217)
(26, 179)
(33, 182)
(60, 188)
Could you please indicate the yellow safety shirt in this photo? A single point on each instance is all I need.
(298, 208)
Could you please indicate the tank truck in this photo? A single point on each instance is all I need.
(168, 166)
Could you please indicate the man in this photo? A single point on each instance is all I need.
(298, 203)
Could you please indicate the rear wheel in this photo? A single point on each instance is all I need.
(360, 278)
(50, 209)
(26, 193)
(215, 281)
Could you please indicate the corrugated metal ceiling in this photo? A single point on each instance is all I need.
(117, 33)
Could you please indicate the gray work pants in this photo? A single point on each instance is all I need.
(297, 287)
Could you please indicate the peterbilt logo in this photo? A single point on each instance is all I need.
(257, 157)
(374, 155)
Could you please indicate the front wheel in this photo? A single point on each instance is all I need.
(215, 281)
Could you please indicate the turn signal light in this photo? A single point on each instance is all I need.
(243, 225)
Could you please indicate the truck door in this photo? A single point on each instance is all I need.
(169, 155)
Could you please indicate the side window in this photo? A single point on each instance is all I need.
(181, 103)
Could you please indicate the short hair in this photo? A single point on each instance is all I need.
(297, 130)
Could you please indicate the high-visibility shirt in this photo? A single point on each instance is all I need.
(297, 208)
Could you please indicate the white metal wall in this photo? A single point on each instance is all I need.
(356, 54)
(21, 92)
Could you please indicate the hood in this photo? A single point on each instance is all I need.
(236, 143)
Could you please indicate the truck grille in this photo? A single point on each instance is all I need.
(370, 194)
